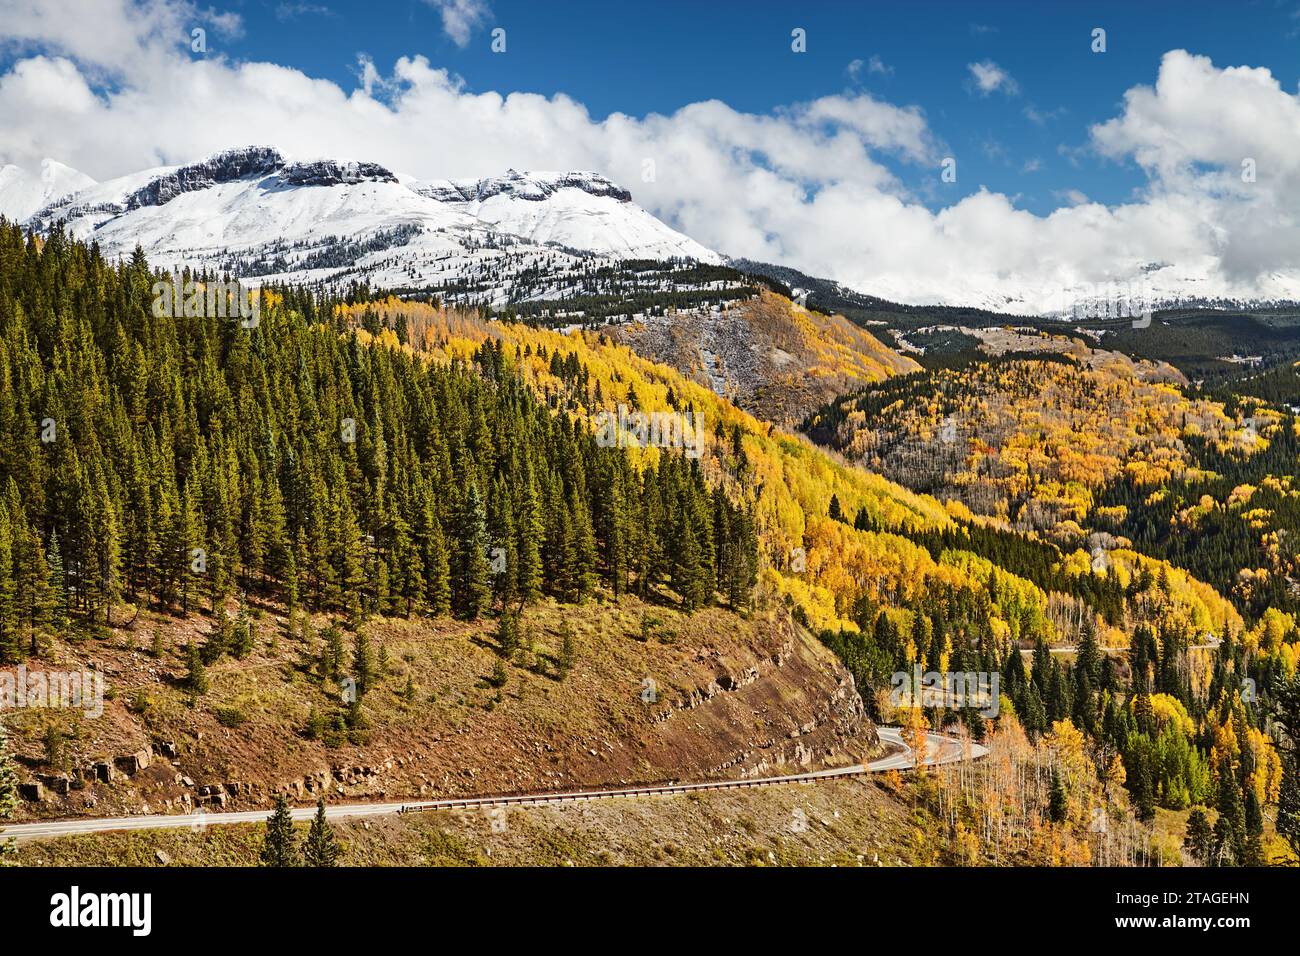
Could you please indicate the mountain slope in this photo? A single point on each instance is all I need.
(254, 213)
(771, 356)
(23, 193)
(576, 210)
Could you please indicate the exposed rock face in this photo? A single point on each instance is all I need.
(771, 357)
(221, 168)
(534, 187)
(328, 172)
(253, 161)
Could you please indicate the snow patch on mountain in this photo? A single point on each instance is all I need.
(23, 193)
(578, 210)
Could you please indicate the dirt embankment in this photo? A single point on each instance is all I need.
(652, 695)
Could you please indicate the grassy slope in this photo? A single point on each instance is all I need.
(456, 733)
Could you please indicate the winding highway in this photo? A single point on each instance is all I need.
(939, 750)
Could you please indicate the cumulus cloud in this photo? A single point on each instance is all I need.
(808, 185)
(460, 18)
(988, 78)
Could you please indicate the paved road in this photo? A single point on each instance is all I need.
(939, 750)
(1213, 644)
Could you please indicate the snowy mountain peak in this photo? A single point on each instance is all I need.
(253, 211)
(578, 210)
(23, 193)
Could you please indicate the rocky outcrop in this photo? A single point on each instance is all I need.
(133, 763)
(534, 187)
(328, 172)
(221, 168)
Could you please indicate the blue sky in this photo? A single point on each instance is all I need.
(639, 58)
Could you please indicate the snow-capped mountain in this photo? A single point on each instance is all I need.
(23, 193)
(253, 212)
(578, 210)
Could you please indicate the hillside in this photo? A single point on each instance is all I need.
(772, 357)
(650, 695)
(423, 543)
(1029, 440)
(889, 549)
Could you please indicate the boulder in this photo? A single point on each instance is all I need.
(33, 791)
(131, 764)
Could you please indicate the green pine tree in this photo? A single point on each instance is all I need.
(320, 848)
(280, 848)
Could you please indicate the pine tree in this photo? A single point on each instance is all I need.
(471, 590)
(1230, 829)
(244, 633)
(1288, 804)
(8, 779)
(1199, 839)
(508, 634)
(320, 848)
(529, 529)
(280, 847)
(60, 612)
(196, 675)
(363, 664)
(1058, 806)
(568, 650)
(11, 645)
(437, 571)
(1287, 714)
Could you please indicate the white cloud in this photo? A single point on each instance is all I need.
(874, 65)
(460, 18)
(806, 185)
(991, 78)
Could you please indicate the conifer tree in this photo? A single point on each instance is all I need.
(363, 664)
(471, 591)
(320, 848)
(8, 793)
(196, 675)
(1058, 804)
(59, 609)
(280, 847)
(1199, 839)
(11, 646)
